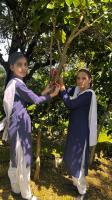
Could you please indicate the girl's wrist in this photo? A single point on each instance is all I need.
(62, 88)
(51, 95)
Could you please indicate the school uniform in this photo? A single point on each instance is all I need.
(82, 133)
(18, 130)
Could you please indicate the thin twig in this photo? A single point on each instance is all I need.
(59, 48)
(76, 32)
(52, 37)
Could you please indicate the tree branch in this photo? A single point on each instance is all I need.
(14, 43)
(31, 47)
(37, 66)
(59, 48)
(12, 4)
(76, 32)
(3, 63)
(52, 37)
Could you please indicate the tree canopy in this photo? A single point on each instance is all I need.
(77, 33)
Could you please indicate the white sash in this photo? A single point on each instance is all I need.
(8, 102)
(92, 115)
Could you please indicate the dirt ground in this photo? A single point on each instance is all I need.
(55, 184)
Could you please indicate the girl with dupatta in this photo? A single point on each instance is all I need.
(17, 124)
(82, 130)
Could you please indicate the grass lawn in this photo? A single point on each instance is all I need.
(56, 184)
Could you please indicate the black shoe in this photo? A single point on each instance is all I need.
(16, 194)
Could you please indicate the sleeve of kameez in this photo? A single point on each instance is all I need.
(82, 100)
(29, 96)
(70, 90)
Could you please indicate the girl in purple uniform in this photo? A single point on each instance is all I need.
(17, 124)
(82, 130)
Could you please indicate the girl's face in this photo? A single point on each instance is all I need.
(83, 81)
(20, 68)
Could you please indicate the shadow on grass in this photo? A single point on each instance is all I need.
(100, 183)
(99, 179)
(56, 178)
(5, 188)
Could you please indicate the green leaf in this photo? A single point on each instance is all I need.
(62, 4)
(80, 2)
(36, 125)
(76, 3)
(63, 36)
(65, 20)
(31, 107)
(84, 2)
(87, 2)
(50, 6)
(69, 2)
(106, 1)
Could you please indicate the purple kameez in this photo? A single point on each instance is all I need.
(20, 121)
(78, 131)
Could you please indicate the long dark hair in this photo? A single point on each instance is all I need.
(12, 60)
(8, 76)
(88, 74)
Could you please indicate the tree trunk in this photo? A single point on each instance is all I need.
(37, 170)
(93, 149)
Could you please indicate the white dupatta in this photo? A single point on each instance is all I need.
(8, 102)
(92, 115)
